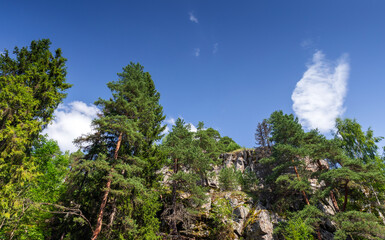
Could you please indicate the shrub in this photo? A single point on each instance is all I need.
(297, 229)
(228, 179)
(248, 180)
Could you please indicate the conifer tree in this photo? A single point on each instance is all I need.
(184, 157)
(208, 141)
(290, 175)
(122, 156)
(288, 153)
(262, 134)
(357, 176)
(31, 87)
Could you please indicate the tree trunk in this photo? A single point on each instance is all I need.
(303, 192)
(306, 200)
(334, 201)
(105, 195)
(319, 233)
(346, 196)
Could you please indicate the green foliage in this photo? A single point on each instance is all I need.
(45, 194)
(296, 229)
(221, 215)
(359, 225)
(228, 179)
(248, 180)
(355, 176)
(32, 86)
(189, 165)
(121, 152)
(227, 144)
(41, 193)
(288, 177)
(356, 143)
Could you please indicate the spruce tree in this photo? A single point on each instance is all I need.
(32, 84)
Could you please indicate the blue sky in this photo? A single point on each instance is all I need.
(227, 63)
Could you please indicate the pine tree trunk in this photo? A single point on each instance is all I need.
(105, 195)
(319, 233)
(334, 201)
(346, 196)
(303, 192)
(307, 201)
(332, 197)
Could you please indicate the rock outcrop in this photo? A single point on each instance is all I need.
(250, 216)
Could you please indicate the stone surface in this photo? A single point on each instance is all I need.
(259, 226)
(249, 219)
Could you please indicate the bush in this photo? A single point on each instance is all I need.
(221, 215)
(228, 179)
(296, 229)
(248, 180)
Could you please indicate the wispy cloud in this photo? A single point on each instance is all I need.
(215, 48)
(197, 52)
(193, 18)
(71, 121)
(319, 96)
(307, 43)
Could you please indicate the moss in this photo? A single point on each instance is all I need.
(252, 217)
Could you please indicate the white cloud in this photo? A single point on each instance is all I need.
(319, 96)
(192, 127)
(215, 49)
(71, 121)
(170, 121)
(193, 18)
(197, 52)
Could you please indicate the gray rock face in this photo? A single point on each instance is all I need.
(246, 159)
(249, 218)
(259, 226)
(259, 223)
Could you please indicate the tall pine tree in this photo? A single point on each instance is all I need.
(122, 159)
(187, 161)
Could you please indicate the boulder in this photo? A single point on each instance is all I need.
(259, 226)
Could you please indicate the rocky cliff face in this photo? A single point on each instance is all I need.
(249, 216)
(259, 222)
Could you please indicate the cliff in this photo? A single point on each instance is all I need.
(245, 215)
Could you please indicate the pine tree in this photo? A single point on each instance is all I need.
(292, 151)
(288, 155)
(122, 156)
(185, 159)
(357, 176)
